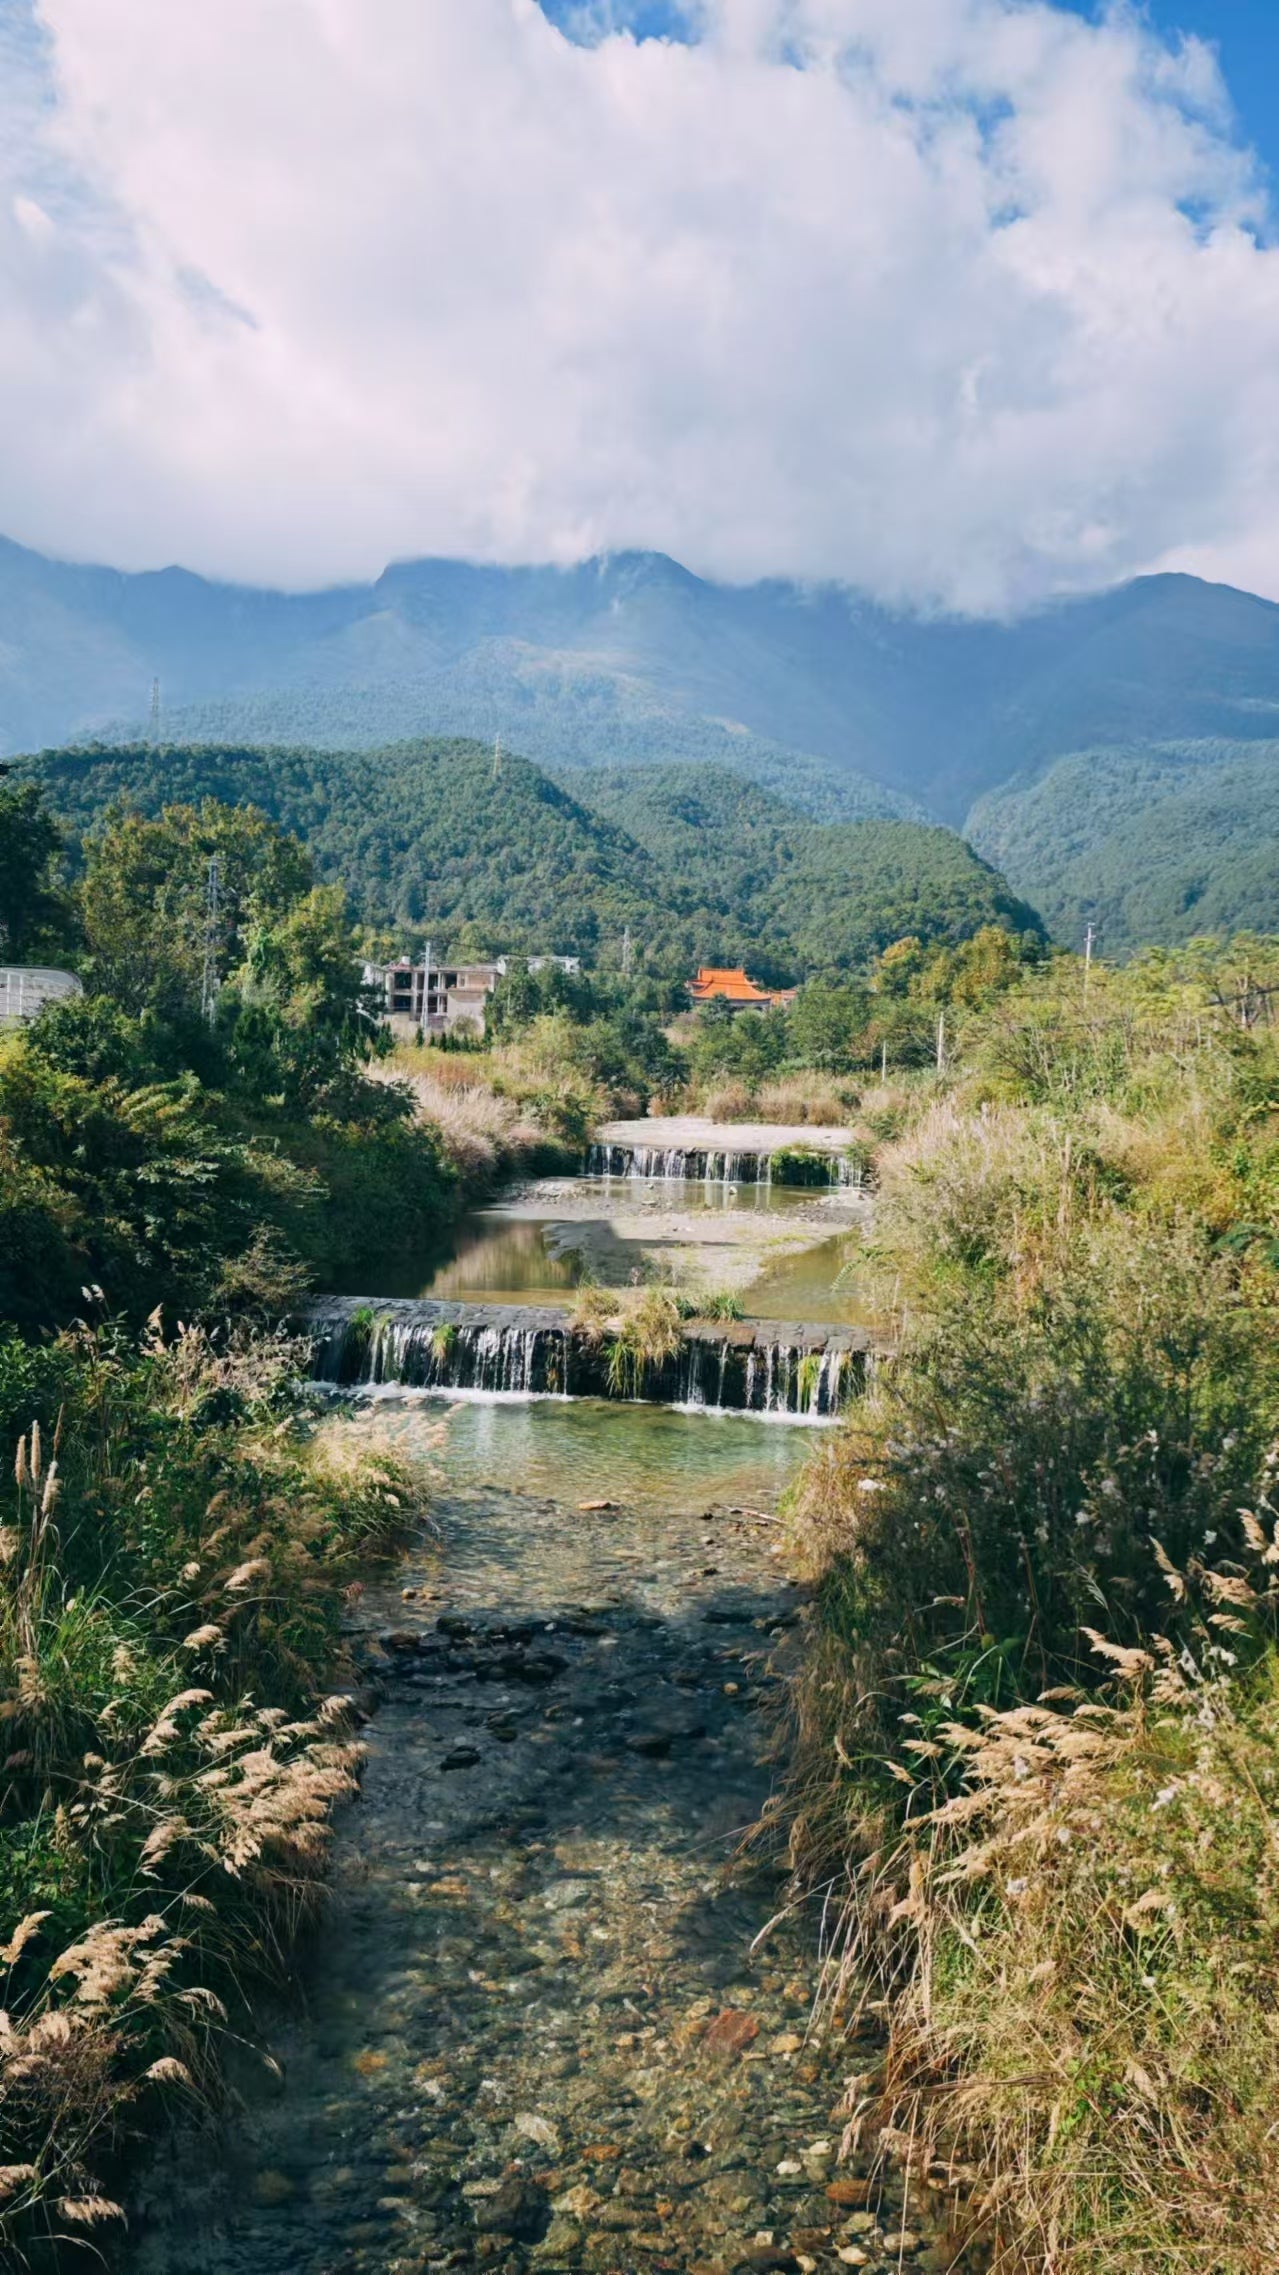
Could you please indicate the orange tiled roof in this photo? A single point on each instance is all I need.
(732, 984)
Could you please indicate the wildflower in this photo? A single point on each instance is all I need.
(1016, 1887)
(1165, 1794)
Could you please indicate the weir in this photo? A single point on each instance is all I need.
(674, 1164)
(687, 1149)
(745, 1366)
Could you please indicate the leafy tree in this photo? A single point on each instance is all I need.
(147, 899)
(35, 915)
(828, 1025)
(295, 1015)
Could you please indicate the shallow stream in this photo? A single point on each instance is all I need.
(540, 2029)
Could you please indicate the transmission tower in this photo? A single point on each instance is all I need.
(155, 712)
(626, 952)
(497, 756)
(209, 982)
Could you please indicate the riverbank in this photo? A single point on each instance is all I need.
(179, 1544)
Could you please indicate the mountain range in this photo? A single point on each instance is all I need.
(1054, 741)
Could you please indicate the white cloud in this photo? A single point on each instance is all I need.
(960, 301)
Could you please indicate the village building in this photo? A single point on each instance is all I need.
(448, 999)
(729, 985)
(25, 989)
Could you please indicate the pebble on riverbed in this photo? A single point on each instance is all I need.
(538, 2035)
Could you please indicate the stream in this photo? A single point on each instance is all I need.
(546, 2023)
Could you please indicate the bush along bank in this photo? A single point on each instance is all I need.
(1036, 1742)
(177, 1541)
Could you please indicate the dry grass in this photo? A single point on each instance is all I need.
(1062, 1890)
(163, 1832)
(727, 1102)
(641, 1329)
(1080, 1948)
(495, 1106)
(814, 1098)
(482, 1132)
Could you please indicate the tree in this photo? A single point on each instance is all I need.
(295, 1016)
(35, 916)
(147, 905)
(828, 1025)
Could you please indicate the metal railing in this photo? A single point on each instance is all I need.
(26, 988)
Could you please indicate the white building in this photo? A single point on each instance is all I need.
(447, 998)
(26, 988)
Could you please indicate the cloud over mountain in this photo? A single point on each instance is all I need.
(963, 302)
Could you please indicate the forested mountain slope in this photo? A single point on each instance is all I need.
(630, 658)
(1147, 845)
(439, 834)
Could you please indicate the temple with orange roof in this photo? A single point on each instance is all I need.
(719, 984)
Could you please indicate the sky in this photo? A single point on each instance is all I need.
(964, 304)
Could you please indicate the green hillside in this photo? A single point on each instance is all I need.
(435, 835)
(834, 892)
(1149, 845)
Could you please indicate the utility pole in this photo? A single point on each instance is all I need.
(426, 993)
(1089, 938)
(209, 979)
(497, 756)
(155, 713)
(883, 1059)
(941, 1042)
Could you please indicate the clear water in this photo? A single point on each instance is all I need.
(500, 1254)
(651, 1459)
(548, 2025)
(819, 1286)
(490, 1258)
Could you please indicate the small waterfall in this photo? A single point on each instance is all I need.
(651, 1164)
(533, 1354)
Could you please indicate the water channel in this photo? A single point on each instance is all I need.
(547, 2024)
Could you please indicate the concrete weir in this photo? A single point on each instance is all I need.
(759, 1366)
(684, 1147)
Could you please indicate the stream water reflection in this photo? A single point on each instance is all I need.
(537, 2031)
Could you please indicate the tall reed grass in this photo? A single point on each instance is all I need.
(1035, 1743)
(177, 1545)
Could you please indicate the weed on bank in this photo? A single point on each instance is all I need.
(1036, 1756)
(177, 1544)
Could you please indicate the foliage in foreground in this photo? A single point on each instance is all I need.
(1036, 1739)
(174, 1560)
(202, 1128)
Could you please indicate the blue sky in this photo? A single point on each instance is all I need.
(1246, 35)
(1245, 32)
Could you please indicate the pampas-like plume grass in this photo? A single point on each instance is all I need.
(1079, 1949)
(185, 1823)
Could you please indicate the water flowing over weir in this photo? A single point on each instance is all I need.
(748, 1366)
(672, 1164)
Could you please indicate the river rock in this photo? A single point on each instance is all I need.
(520, 2209)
